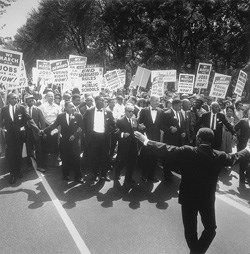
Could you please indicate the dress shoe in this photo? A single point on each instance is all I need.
(79, 180)
(94, 178)
(12, 179)
(20, 175)
(154, 180)
(42, 170)
(117, 178)
(105, 178)
(66, 178)
(129, 180)
(243, 181)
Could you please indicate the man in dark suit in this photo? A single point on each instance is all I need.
(69, 147)
(15, 119)
(215, 121)
(127, 144)
(98, 126)
(243, 130)
(188, 124)
(150, 121)
(200, 167)
(173, 127)
(33, 139)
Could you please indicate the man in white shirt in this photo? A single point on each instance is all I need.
(119, 109)
(98, 127)
(50, 112)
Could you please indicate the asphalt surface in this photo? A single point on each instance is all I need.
(41, 213)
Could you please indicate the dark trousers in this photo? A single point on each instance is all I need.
(126, 159)
(243, 168)
(14, 156)
(70, 162)
(189, 216)
(148, 162)
(98, 153)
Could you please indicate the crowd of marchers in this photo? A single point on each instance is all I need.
(95, 135)
(96, 138)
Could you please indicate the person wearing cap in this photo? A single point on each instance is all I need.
(200, 167)
(33, 142)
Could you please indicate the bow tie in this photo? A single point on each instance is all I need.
(154, 109)
(99, 110)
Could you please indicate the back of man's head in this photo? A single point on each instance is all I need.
(205, 136)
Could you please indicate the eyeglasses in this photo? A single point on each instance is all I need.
(130, 111)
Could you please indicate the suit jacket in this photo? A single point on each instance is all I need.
(152, 129)
(39, 120)
(15, 130)
(88, 124)
(204, 121)
(188, 128)
(169, 120)
(126, 146)
(200, 167)
(68, 130)
(243, 129)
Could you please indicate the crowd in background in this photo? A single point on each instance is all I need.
(99, 143)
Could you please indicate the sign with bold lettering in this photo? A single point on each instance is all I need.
(76, 65)
(202, 76)
(158, 86)
(186, 83)
(60, 71)
(112, 80)
(10, 67)
(242, 79)
(220, 85)
(43, 71)
(168, 75)
(91, 80)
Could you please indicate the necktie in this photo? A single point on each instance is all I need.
(13, 112)
(185, 115)
(213, 120)
(178, 118)
(130, 120)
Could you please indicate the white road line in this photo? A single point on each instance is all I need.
(67, 221)
(233, 203)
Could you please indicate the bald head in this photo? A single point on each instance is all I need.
(154, 101)
(215, 107)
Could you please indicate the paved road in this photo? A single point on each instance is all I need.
(43, 214)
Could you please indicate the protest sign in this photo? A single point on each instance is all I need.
(91, 80)
(76, 65)
(158, 86)
(141, 77)
(23, 81)
(112, 80)
(43, 71)
(186, 83)
(10, 67)
(79, 62)
(220, 85)
(168, 75)
(242, 79)
(122, 76)
(60, 71)
(202, 76)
